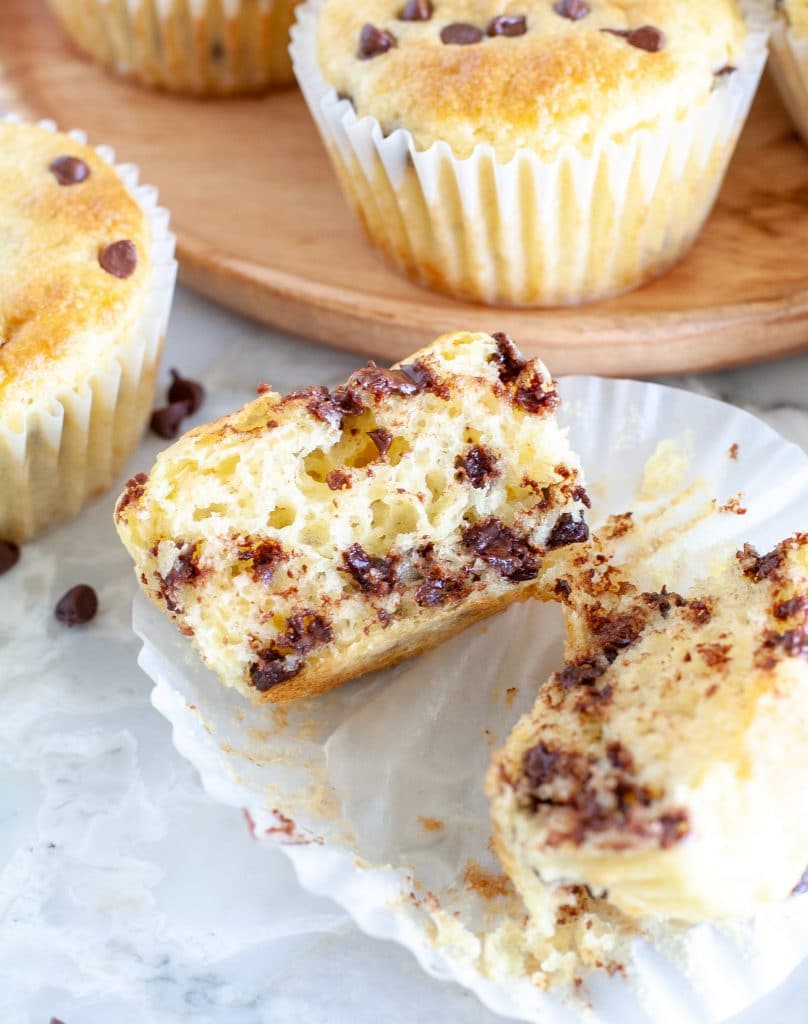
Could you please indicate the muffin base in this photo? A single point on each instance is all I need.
(74, 446)
(789, 67)
(531, 232)
(198, 47)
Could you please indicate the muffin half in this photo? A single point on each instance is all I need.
(663, 767)
(306, 540)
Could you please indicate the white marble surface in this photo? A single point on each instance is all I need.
(124, 891)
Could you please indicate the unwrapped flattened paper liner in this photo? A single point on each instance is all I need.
(375, 791)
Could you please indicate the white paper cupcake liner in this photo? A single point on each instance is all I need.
(789, 67)
(203, 47)
(375, 790)
(73, 446)
(511, 233)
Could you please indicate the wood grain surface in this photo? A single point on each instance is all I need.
(263, 228)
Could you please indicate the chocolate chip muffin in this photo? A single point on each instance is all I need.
(542, 152)
(663, 767)
(789, 60)
(306, 540)
(86, 279)
(201, 47)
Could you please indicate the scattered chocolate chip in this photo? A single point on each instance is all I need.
(508, 25)
(534, 399)
(460, 33)
(184, 570)
(9, 555)
(503, 549)
(579, 494)
(330, 406)
(382, 438)
(793, 643)
(69, 170)
(133, 491)
(265, 555)
(616, 632)
(284, 657)
(338, 480)
(183, 389)
(119, 258)
(567, 531)
(664, 601)
(385, 382)
(377, 576)
(271, 669)
(562, 589)
(646, 37)
(715, 655)
(478, 466)
(374, 41)
(728, 69)
(758, 567)
(306, 630)
(783, 610)
(421, 375)
(574, 10)
(166, 422)
(78, 606)
(699, 612)
(509, 360)
(438, 588)
(416, 10)
(582, 673)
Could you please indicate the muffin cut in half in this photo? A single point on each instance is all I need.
(306, 540)
(664, 766)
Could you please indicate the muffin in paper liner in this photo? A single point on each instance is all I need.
(71, 444)
(531, 231)
(200, 47)
(375, 790)
(789, 67)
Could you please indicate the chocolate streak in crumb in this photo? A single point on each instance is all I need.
(513, 556)
(376, 576)
(284, 657)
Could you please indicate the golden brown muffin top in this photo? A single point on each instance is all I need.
(535, 73)
(68, 285)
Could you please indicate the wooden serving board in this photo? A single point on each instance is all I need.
(263, 228)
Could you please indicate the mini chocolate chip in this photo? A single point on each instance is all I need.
(379, 381)
(78, 606)
(416, 10)
(478, 465)
(69, 170)
(567, 531)
(728, 69)
(508, 25)
(374, 41)
(9, 555)
(460, 33)
(574, 10)
(183, 389)
(382, 439)
(646, 37)
(166, 422)
(509, 360)
(119, 259)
